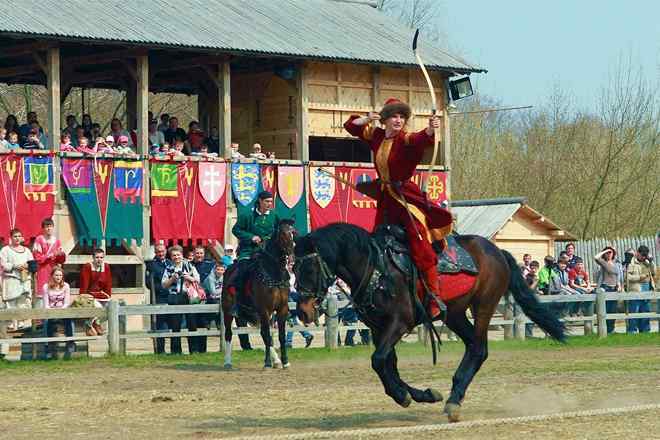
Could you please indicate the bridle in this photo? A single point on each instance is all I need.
(325, 279)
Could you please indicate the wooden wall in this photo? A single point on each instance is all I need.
(524, 235)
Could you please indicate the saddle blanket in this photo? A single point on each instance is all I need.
(455, 285)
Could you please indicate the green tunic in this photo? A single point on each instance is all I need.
(250, 224)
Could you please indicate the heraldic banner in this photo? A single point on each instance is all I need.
(333, 201)
(105, 198)
(27, 191)
(292, 200)
(246, 183)
(188, 201)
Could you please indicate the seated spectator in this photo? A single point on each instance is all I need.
(77, 135)
(164, 122)
(204, 152)
(110, 142)
(42, 136)
(3, 140)
(608, 280)
(71, 125)
(547, 274)
(156, 137)
(84, 147)
(213, 141)
(124, 146)
(195, 137)
(33, 142)
(101, 147)
(256, 152)
(57, 295)
(228, 257)
(235, 154)
(174, 131)
(11, 124)
(570, 253)
(578, 280)
(96, 280)
(178, 149)
(95, 131)
(65, 143)
(87, 125)
(532, 278)
(13, 141)
(640, 278)
(271, 155)
(117, 132)
(154, 276)
(25, 129)
(16, 279)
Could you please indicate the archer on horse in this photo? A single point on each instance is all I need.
(400, 201)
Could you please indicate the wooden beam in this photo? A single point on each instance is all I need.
(213, 75)
(132, 71)
(224, 107)
(99, 58)
(142, 74)
(302, 115)
(54, 110)
(41, 62)
(24, 49)
(186, 63)
(131, 105)
(18, 70)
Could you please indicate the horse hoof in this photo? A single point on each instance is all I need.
(407, 400)
(453, 412)
(267, 366)
(285, 366)
(277, 365)
(227, 367)
(435, 394)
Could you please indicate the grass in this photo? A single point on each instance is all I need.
(213, 361)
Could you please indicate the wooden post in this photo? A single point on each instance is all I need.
(131, 105)
(331, 322)
(446, 144)
(54, 103)
(222, 328)
(113, 327)
(508, 315)
(224, 107)
(519, 323)
(122, 329)
(588, 325)
(302, 116)
(601, 313)
(142, 92)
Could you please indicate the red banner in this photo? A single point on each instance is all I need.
(188, 215)
(361, 209)
(16, 210)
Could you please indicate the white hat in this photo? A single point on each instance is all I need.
(229, 247)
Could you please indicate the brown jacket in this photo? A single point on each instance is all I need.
(639, 273)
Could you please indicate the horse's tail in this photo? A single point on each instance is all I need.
(526, 299)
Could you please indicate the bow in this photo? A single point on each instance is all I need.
(434, 107)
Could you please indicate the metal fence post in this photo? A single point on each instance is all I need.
(113, 327)
(601, 313)
(331, 322)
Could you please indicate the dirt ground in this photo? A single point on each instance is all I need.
(177, 398)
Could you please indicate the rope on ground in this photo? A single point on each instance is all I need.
(452, 426)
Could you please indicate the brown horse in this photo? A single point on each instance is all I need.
(265, 291)
(384, 301)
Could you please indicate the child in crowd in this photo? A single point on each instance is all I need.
(578, 280)
(110, 142)
(3, 141)
(65, 143)
(13, 141)
(204, 152)
(195, 136)
(33, 142)
(178, 148)
(48, 252)
(57, 295)
(123, 146)
(101, 147)
(84, 147)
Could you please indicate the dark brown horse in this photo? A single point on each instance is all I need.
(384, 301)
(265, 291)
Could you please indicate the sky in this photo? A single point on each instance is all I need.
(529, 46)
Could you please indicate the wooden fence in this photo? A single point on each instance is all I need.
(513, 320)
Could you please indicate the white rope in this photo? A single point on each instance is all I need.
(453, 426)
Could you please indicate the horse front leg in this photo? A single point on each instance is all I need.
(385, 342)
(282, 316)
(428, 395)
(271, 357)
(227, 319)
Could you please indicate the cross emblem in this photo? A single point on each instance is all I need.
(434, 187)
(211, 182)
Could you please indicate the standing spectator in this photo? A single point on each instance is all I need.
(256, 152)
(154, 276)
(13, 141)
(33, 142)
(95, 132)
(118, 132)
(213, 288)
(48, 252)
(546, 274)
(57, 295)
(235, 154)
(639, 278)
(578, 280)
(213, 141)
(608, 280)
(40, 134)
(532, 281)
(25, 129)
(174, 131)
(65, 143)
(164, 122)
(16, 279)
(78, 134)
(156, 137)
(195, 137)
(292, 319)
(11, 124)
(228, 257)
(570, 253)
(3, 139)
(96, 280)
(87, 124)
(527, 258)
(348, 314)
(71, 125)
(197, 344)
(175, 277)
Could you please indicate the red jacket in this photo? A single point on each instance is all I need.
(96, 283)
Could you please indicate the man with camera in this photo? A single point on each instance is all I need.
(639, 278)
(154, 275)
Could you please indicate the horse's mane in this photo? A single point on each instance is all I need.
(331, 239)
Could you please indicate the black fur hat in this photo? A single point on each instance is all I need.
(393, 106)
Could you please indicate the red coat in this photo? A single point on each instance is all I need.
(396, 160)
(94, 282)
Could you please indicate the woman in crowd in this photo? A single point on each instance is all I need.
(195, 136)
(57, 295)
(16, 279)
(11, 124)
(48, 252)
(608, 279)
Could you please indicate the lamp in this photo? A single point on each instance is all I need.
(460, 88)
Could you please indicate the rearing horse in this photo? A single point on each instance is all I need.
(265, 291)
(350, 253)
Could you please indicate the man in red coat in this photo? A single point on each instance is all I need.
(96, 280)
(400, 201)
